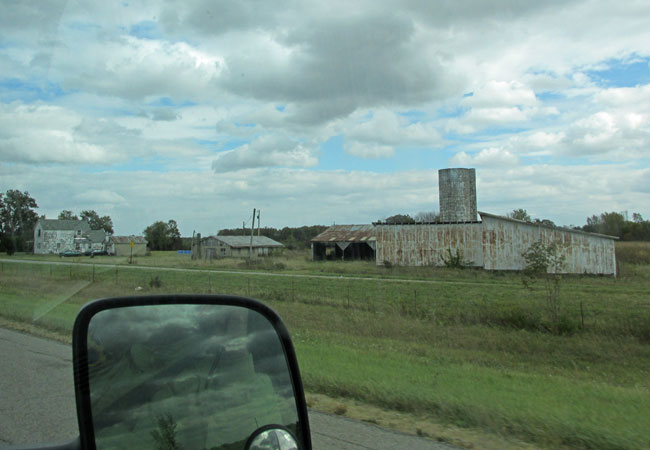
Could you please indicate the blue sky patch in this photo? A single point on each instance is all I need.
(232, 144)
(167, 101)
(146, 29)
(280, 108)
(12, 89)
(622, 73)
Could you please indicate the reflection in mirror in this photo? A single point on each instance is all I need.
(272, 438)
(186, 377)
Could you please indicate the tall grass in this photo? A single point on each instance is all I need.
(463, 347)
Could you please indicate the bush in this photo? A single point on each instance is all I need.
(455, 260)
(155, 282)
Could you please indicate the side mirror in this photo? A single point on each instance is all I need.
(186, 372)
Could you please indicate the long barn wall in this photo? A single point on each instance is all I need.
(505, 240)
(495, 244)
(428, 244)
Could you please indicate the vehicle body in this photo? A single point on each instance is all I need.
(70, 253)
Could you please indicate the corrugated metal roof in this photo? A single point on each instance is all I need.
(347, 233)
(67, 225)
(127, 239)
(245, 241)
(494, 216)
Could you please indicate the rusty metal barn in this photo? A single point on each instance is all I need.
(345, 242)
(492, 243)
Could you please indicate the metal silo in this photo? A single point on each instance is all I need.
(457, 192)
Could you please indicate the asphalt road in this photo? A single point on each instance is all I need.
(37, 403)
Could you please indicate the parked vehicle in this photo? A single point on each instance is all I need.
(186, 371)
(68, 253)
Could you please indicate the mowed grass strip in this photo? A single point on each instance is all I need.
(547, 409)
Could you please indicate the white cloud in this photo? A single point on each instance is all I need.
(489, 157)
(101, 196)
(267, 151)
(42, 133)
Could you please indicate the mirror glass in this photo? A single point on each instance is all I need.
(272, 439)
(186, 377)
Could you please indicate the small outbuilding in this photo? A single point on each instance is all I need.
(121, 245)
(213, 247)
(345, 242)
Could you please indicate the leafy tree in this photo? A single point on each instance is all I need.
(427, 216)
(545, 262)
(546, 222)
(17, 219)
(163, 236)
(97, 223)
(399, 218)
(165, 435)
(520, 214)
(66, 214)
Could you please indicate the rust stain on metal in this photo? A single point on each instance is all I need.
(349, 233)
(496, 243)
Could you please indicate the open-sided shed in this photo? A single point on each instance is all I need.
(345, 242)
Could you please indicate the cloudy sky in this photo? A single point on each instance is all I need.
(323, 112)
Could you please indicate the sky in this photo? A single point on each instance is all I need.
(323, 112)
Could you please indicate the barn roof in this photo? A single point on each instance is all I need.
(245, 241)
(64, 225)
(347, 233)
(127, 239)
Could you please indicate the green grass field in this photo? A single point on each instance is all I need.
(462, 348)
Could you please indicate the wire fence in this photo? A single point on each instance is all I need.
(601, 307)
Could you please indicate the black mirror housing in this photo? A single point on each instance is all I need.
(206, 370)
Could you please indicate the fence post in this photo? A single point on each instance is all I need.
(93, 273)
(415, 302)
(249, 287)
(293, 291)
(116, 274)
(582, 315)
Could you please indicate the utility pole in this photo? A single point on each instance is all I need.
(258, 222)
(250, 250)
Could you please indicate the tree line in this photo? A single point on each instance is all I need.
(18, 219)
(290, 237)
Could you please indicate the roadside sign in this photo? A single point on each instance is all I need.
(131, 244)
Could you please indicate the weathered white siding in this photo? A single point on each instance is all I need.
(54, 241)
(497, 243)
(505, 240)
(428, 244)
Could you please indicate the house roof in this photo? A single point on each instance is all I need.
(127, 239)
(97, 236)
(63, 225)
(347, 233)
(245, 241)
(535, 224)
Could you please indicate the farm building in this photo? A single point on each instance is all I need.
(57, 236)
(345, 242)
(121, 245)
(492, 243)
(213, 247)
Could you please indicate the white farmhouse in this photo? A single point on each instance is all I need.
(56, 236)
